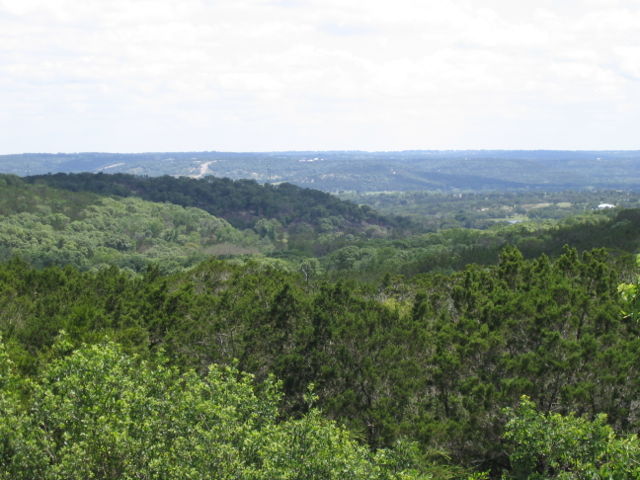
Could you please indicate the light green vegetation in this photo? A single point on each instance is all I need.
(45, 227)
(567, 447)
(98, 413)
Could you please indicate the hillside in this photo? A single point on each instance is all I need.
(452, 249)
(293, 218)
(309, 230)
(48, 226)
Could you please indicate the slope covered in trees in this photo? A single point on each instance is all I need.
(47, 226)
(243, 203)
(294, 224)
(452, 249)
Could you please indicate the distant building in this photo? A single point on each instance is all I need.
(604, 206)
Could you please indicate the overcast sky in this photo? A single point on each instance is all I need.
(250, 75)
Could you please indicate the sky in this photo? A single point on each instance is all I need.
(258, 75)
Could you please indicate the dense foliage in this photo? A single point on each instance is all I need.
(554, 446)
(244, 203)
(434, 359)
(98, 413)
(453, 249)
(307, 230)
(46, 226)
(501, 351)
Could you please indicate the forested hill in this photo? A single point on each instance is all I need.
(243, 203)
(99, 219)
(49, 226)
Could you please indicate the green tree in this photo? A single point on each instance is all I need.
(554, 446)
(99, 413)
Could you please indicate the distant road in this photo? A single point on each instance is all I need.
(204, 170)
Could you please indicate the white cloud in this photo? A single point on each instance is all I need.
(288, 74)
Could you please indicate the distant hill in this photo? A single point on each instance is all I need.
(293, 218)
(333, 171)
(48, 226)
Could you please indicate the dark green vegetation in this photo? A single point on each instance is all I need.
(333, 171)
(433, 360)
(459, 353)
(453, 249)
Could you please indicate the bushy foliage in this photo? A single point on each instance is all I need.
(433, 359)
(455, 248)
(567, 447)
(99, 413)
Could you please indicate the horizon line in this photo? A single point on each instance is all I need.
(143, 152)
